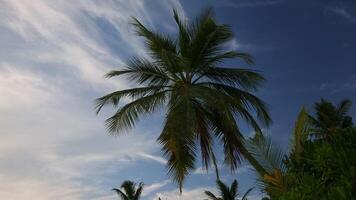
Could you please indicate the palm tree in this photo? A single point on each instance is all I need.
(202, 100)
(130, 190)
(227, 193)
(276, 182)
(328, 117)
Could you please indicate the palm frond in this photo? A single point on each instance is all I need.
(221, 57)
(154, 41)
(129, 188)
(127, 116)
(208, 41)
(211, 195)
(302, 130)
(239, 98)
(203, 134)
(142, 71)
(161, 48)
(121, 194)
(244, 197)
(178, 139)
(344, 107)
(138, 191)
(133, 93)
(223, 189)
(244, 78)
(184, 37)
(226, 130)
(269, 155)
(234, 189)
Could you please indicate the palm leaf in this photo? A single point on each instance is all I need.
(138, 191)
(244, 197)
(269, 155)
(134, 93)
(302, 130)
(121, 194)
(211, 195)
(177, 138)
(127, 116)
(344, 107)
(142, 71)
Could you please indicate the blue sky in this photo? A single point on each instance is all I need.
(53, 55)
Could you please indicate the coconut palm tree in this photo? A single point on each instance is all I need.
(328, 117)
(202, 99)
(129, 190)
(227, 193)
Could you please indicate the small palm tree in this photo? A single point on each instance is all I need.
(328, 117)
(129, 190)
(275, 182)
(202, 100)
(227, 193)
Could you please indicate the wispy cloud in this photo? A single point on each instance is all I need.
(235, 45)
(342, 12)
(53, 58)
(201, 170)
(148, 189)
(152, 157)
(196, 193)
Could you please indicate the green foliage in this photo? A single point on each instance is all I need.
(202, 98)
(129, 190)
(227, 193)
(322, 167)
(328, 117)
(326, 170)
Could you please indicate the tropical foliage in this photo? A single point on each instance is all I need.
(202, 99)
(129, 190)
(326, 170)
(328, 117)
(314, 168)
(184, 76)
(227, 193)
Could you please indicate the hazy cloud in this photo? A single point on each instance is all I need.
(53, 58)
(342, 12)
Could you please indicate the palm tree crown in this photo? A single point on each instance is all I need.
(129, 190)
(202, 100)
(227, 193)
(328, 117)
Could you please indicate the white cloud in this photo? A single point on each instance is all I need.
(18, 86)
(53, 58)
(148, 189)
(196, 193)
(235, 45)
(342, 12)
(152, 157)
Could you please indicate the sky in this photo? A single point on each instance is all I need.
(53, 57)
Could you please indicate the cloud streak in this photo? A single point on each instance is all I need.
(342, 12)
(53, 58)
